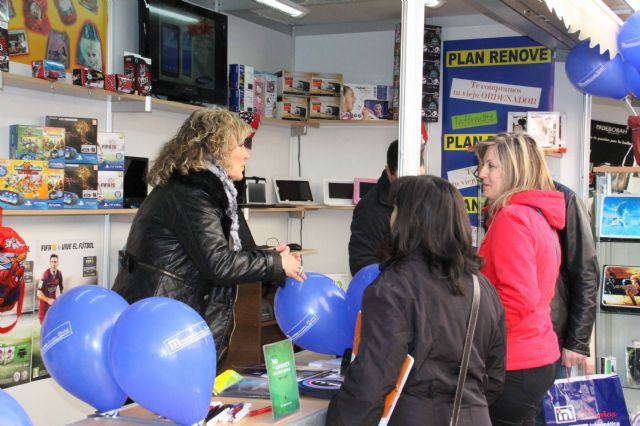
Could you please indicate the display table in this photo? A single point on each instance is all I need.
(313, 411)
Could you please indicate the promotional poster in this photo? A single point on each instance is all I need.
(73, 33)
(484, 80)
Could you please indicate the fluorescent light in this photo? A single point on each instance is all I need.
(286, 6)
(434, 3)
(633, 4)
(173, 15)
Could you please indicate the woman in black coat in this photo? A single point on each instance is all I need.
(420, 306)
(186, 239)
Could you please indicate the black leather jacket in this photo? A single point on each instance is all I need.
(370, 225)
(573, 309)
(178, 247)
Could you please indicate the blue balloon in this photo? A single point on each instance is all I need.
(163, 356)
(629, 40)
(75, 344)
(595, 74)
(358, 284)
(632, 78)
(11, 412)
(314, 315)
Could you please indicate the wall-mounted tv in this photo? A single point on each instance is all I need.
(187, 45)
(135, 183)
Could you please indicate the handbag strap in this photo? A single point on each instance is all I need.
(466, 353)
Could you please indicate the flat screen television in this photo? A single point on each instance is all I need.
(187, 45)
(135, 181)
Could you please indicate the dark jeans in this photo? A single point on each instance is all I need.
(522, 395)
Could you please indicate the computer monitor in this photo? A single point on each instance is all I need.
(135, 184)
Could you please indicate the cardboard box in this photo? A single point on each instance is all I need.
(293, 83)
(81, 138)
(55, 188)
(326, 84)
(240, 100)
(23, 184)
(365, 102)
(118, 83)
(48, 70)
(265, 93)
(53, 144)
(81, 186)
(88, 78)
(293, 107)
(324, 107)
(111, 189)
(138, 69)
(25, 142)
(241, 77)
(110, 151)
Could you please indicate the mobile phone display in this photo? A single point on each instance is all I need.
(186, 54)
(170, 57)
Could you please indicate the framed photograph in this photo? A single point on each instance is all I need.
(4, 10)
(18, 44)
(517, 121)
(621, 288)
(544, 127)
(620, 216)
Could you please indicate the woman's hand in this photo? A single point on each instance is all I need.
(292, 265)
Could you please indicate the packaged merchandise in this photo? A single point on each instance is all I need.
(25, 142)
(292, 107)
(241, 77)
(118, 83)
(324, 107)
(293, 83)
(88, 78)
(110, 151)
(265, 93)
(326, 84)
(111, 192)
(4, 47)
(48, 70)
(53, 144)
(55, 188)
(138, 69)
(240, 100)
(81, 138)
(23, 184)
(80, 186)
(365, 102)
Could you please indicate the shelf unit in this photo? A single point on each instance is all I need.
(615, 330)
(133, 103)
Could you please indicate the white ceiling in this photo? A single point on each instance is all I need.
(336, 12)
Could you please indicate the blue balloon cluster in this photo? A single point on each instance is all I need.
(598, 75)
(11, 412)
(158, 351)
(317, 314)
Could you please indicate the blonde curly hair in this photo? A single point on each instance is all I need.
(207, 133)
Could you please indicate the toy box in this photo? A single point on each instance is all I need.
(53, 143)
(240, 100)
(138, 69)
(324, 107)
(4, 47)
(87, 77)
(80, 186)
(81, 138)
(265, 93)
(430, 107)
(111, 192)
(55, 188)
(326, 84)
(25, 142)
(118, 83)
(110, 151)
(293, 83)
(365, 102)
(48, 70)
(23, 184)
(292, 107)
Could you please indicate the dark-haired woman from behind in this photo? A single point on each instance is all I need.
(420, 305)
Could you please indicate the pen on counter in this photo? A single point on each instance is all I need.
(242, 413)
(218, 414)
(259, 411)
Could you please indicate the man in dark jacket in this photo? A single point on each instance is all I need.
(370, 222)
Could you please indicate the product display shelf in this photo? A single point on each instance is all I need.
(347, 123)
(615, 331)
(551, 152)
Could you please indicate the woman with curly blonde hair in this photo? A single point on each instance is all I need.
(188, 240)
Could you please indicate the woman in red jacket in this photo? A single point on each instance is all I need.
(522, 260)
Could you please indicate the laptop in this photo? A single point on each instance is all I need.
(256, 194)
